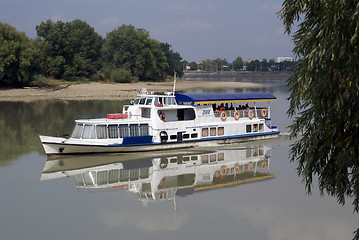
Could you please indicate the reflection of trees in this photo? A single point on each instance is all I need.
(21, 123)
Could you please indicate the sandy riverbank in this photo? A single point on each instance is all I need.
(105, 91)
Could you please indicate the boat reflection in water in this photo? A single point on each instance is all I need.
(161, 175)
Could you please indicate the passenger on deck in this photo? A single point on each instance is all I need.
(214, 107)
(222, 108)
(163, 117)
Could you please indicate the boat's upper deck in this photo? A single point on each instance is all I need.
(218, 98)
(155, 100)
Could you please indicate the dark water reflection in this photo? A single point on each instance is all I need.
(167, 195)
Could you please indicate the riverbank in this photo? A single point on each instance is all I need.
(106, 91)
(238, 75)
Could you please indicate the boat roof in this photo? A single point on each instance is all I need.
(211, 98)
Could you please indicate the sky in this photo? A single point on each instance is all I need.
(197, 29)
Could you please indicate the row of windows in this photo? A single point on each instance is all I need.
(213, 131)
(87, 131)
(184, 136)
(255, 128)
(156, 100)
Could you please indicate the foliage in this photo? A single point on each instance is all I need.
(129, 48)
(71, 49)
(121, 75)
(173, 59)
(19, 57)
(238, 64)
(325, 94)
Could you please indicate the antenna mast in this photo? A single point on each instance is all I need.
(174, 82)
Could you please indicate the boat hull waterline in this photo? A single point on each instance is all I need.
(57, 146)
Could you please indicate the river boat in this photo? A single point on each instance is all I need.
(170, 121)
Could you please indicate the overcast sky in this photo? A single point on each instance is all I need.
(196, 29)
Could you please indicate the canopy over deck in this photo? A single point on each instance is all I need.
(211, 98)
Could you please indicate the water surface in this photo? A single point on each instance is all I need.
(256, 203)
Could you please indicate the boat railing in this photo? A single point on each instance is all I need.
(91, 116)
(261, 113)
(103, 115)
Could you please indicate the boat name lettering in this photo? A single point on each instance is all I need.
(206, 112)
(206, 177)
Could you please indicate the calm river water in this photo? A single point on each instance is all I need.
(165, 195)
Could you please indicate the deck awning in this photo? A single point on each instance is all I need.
(211, 98)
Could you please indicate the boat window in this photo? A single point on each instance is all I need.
(213, 132)
(204, 158)
(194, 135)
(173, 137)
(212, 157)
(101, 131)
(134, 130)
(185, 136)
(248, 153)
(204, 132)
(123, 129)
(255, 127)
(112, 131)
(144, 129)
(261, 127)
(146, 113)
(169, 101)
(77, 131)
(220, 156)
(248, 128)
(149, 101)
(89, 132)
(142, 101)
(155, 101)
(194, 158)
(189, 114)
(220, 131)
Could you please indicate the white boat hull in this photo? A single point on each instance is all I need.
(59, 146)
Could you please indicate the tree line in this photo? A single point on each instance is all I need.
(73, 50)
(70, 50)
(239, 65)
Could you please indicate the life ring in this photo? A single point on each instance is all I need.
(236, 169)
(236, 115)
(223, 115)
(250, 114)
(250, 166)
(263, 113)
(223, 170)
(263, 165)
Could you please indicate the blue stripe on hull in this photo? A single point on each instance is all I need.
(241, 136)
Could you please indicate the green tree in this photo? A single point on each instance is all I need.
(173, 59)
(132, 49)
(238, 64)
(254, 65)
(19, 57)
(71, 49)
(193, 65)
(264, 65)
(324, 94)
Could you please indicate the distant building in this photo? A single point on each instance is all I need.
(284, 59)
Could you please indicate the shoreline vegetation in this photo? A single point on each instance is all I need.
(67, 90)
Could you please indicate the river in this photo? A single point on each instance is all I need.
(83, 197)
